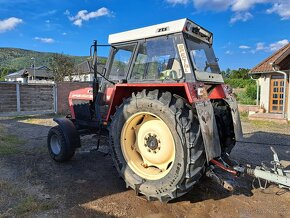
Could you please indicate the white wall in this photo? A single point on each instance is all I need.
(264, 82)
(81, 77)
(288, 113)
(15, 80)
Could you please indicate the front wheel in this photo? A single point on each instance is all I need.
(157, 145)
(58, 148)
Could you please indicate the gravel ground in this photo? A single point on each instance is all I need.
(32, 185)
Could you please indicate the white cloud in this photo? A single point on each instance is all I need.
(212, 5)
(84, 15)
(277, 45)
(282, 9)
(174, 2)
(45, 40)
(241, 16)
(9, 24)
(67, 12)
(244, 47)
(272, 47)
(260, 46)
(245, 5)
(64, 34)
(240, 8)
(229, 52)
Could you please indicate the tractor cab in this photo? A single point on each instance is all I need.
(178, 51)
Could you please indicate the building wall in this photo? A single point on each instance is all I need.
(63, 90)
(288, 112)
(18, 79)
(264, 82)
(80, 77)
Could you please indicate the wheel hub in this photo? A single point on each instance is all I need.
(151, 142)
(55, 145)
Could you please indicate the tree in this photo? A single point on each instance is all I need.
(241, 73)
(4, 71)
(62, 66)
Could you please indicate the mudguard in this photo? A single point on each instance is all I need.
(71, 135)
(236, 117)
(209, 129)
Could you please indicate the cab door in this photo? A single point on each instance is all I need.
(117, 68)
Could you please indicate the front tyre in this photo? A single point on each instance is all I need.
(58, 148)
(157, 145)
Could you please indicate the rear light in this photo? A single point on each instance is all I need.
(201, 91)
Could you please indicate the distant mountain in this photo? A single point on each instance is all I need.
(15, 58)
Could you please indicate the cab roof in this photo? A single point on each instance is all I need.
(177, 26)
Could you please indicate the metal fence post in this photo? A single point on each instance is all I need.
(55, 98)
(18, 97)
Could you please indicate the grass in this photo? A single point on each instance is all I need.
(32, 205)
(8, 143)
(244, 116)
(261, 123)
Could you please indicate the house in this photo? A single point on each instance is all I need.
(84, 73)
(27, 75)
(272, 76)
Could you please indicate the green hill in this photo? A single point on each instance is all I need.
(15, 58)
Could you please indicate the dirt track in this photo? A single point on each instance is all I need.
(31, 184)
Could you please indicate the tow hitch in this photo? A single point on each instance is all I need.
(274, 173)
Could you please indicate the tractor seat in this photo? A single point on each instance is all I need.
(172, 74)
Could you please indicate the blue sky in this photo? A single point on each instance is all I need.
(245, 31)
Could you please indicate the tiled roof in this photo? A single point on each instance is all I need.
(85, 68)
(39, 72)
(265, 66)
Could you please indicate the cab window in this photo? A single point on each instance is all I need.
(121, 62)
(157, 59)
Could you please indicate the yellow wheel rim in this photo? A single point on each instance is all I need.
(148, 145)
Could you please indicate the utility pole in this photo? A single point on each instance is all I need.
(33, 67)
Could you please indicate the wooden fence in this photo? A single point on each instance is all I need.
(17, 98)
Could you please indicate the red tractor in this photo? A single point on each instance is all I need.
(164, 105)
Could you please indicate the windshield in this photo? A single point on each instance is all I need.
(157, 59)
(202, 57)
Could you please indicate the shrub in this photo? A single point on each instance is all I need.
(239, 83)
(243, 98)
(251, 91)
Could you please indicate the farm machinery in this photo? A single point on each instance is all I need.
(164, 105)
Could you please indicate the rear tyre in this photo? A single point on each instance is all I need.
(157, 145)
(58, 149)
(225, 126)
